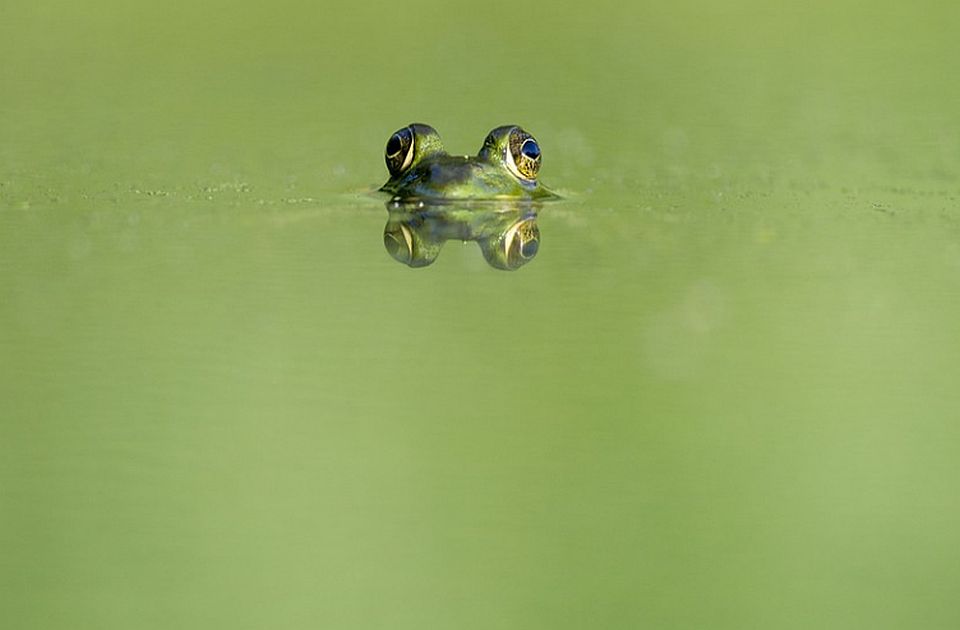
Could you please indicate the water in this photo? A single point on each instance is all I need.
(722, 394)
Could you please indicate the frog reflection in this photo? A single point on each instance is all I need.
(507, 233)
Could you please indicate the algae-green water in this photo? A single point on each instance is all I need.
(723, 395)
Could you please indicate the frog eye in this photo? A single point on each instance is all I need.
(399, 151)
(523, 155)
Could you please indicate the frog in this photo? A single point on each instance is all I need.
(505, 167)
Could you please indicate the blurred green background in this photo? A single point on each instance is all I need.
(722, 396)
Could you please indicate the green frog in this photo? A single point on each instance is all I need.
(506, 167)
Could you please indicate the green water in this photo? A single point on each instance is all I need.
(723, 395)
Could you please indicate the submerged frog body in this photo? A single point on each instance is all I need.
(506, 167)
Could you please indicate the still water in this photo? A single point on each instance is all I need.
(721, 395)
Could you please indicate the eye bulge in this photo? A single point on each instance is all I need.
(399, 152)
(524, 153)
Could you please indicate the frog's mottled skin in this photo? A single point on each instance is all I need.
(506, 167)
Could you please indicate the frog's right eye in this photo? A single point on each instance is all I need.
(523, 155)
(399, 152)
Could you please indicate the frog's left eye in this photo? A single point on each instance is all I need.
(399, 151)
(523, 155)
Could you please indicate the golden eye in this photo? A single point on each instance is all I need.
(523, 155)
(399, 152)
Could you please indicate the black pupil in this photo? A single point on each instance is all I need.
(530, 149)
(394, 144)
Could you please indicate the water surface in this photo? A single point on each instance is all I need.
(722, 395)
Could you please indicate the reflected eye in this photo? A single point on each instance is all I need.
(523, 155)
(399, 151)
(522, 243)
(399, 243)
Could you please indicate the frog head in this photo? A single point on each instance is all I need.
(506, 167)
